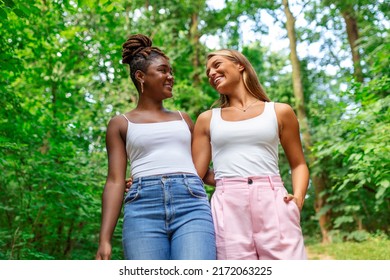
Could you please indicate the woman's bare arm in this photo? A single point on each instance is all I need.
(201, 147)
(292, 146)
(114, 188)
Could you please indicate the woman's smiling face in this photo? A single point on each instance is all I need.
(159, 79)
(222, 73)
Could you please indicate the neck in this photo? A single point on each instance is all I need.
(150, 105)
(242, 101)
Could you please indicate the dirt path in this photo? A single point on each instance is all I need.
(317, 256)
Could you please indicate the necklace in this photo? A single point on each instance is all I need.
(244, 109)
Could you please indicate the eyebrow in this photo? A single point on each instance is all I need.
(165, 66)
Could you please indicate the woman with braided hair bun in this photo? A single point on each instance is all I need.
(166, 211)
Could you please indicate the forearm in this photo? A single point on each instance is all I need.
(111, 208)
(300, 182)
(208, 179)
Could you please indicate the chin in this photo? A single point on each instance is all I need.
(220, 89)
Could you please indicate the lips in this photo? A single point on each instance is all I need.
(169, 85)
(217, 80)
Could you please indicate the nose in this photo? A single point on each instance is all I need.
(171, 78)
(211, 73)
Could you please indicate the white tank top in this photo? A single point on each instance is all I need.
(245, 148)
(159, 148)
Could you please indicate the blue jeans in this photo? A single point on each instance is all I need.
(168, 217)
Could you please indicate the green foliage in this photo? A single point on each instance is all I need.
(358, 146)
(61, 81)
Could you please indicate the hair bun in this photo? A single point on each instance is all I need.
(134, 45)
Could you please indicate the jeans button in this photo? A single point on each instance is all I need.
(250, 181)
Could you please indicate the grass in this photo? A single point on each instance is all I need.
(371, 249)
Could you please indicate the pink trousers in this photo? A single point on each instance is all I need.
(253, 222)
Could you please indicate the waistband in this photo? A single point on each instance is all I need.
(165, 177)
(273, 180)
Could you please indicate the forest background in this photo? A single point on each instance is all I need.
(61, 80)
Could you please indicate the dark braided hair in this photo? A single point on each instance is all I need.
(138, 53)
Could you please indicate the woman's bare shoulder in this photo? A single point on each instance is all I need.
(284, 110)
(205, 116)
(283, 107)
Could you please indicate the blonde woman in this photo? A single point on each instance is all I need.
(254, 216)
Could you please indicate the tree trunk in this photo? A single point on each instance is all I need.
(353, 36)
(320, 201)
(318, 183)
(194, 39)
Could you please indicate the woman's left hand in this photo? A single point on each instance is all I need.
(290, 197)
(129, 182)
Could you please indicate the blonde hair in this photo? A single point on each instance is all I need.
(251, 81)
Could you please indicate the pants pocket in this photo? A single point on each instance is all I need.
(195, 187)
(133, 194)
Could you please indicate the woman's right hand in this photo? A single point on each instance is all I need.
(104, 252)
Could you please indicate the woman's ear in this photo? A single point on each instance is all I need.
(139, 76)
(241, 67)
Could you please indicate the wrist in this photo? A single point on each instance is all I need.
(104, 240)
(299, 201)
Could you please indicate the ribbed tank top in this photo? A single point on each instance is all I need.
(245, 148)
(159, 148)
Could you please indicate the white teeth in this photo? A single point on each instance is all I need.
(216, 80)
